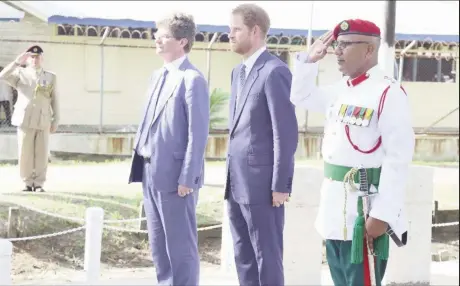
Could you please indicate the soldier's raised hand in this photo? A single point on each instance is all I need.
(22, 58)
(318, 49)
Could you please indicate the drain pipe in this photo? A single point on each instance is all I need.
(401, 59)
(208, 58)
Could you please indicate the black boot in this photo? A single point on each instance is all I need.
(28, 189)
(39, 189)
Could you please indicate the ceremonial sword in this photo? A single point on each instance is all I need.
(364, 188)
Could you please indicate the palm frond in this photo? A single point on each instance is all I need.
(218, 100)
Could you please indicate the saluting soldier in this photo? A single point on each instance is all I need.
(36, 114)
(367, 150)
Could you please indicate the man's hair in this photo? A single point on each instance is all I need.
(181, 26)
(254, 15)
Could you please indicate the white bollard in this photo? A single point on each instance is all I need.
(303, 248)
(302, 244)
(411, 264)
(6, 251)
(93, 244)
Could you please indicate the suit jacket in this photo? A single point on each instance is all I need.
(178, 132)
(263, 133)
(37, 103)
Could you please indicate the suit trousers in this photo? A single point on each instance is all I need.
(33, 155)
(343, 272)
(172, 231)
(257, 232)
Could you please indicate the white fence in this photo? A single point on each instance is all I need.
(93, 224)
(303, 249)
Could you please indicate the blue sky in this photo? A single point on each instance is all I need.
(412, 17)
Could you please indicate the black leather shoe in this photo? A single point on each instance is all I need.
(39, 189)
(28, 189)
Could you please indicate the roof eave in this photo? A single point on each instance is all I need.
(23, 7)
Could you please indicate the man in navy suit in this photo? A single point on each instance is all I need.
(169, 153)
(263, 140)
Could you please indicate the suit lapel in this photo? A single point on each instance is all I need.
(173, 79)
(150, 99)
(233, 97)
(251, 79)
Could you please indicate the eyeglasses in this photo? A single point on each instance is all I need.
(344, 44)
(162, 36)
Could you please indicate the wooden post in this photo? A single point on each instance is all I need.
(13, 222)
(142, 223)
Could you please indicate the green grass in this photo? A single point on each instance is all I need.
(118, 205)
(119, 248)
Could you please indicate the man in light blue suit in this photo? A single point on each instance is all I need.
(263, 140)
(169, 151)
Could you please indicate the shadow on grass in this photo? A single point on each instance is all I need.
(119, 249)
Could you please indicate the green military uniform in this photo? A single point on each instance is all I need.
(36, 112)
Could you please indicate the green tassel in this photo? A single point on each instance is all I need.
(382, 246)
(357, 243)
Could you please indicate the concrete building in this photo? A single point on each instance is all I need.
(72, 51)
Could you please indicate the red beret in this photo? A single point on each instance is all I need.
(357, 26)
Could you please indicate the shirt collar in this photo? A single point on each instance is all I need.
(175, 65)
(351, 82)
(249, 62)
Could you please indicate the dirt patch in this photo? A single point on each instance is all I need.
(61, 257)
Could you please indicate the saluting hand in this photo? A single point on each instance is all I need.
(280, 198)
(22, 58)
(318, 49)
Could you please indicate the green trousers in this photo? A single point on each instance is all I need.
(343, 272)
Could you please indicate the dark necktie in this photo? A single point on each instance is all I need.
(241, 81)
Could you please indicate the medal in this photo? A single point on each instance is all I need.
(348, 113)
(367, 116)
(342, 110)
(355, 115)
(359, 121)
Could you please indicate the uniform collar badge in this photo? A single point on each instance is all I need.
(357, 80)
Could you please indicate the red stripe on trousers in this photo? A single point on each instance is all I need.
(367, 273)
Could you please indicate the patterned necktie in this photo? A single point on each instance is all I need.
(150, 112)
(241, 81)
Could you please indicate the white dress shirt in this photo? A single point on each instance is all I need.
(249, 62)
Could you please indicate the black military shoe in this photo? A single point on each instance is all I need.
(39, 189)
(28, 189)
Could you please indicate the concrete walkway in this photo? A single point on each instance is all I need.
(442, 273)
(107, 177)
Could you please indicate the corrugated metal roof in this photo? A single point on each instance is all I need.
(60, 14)
(128, 23)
